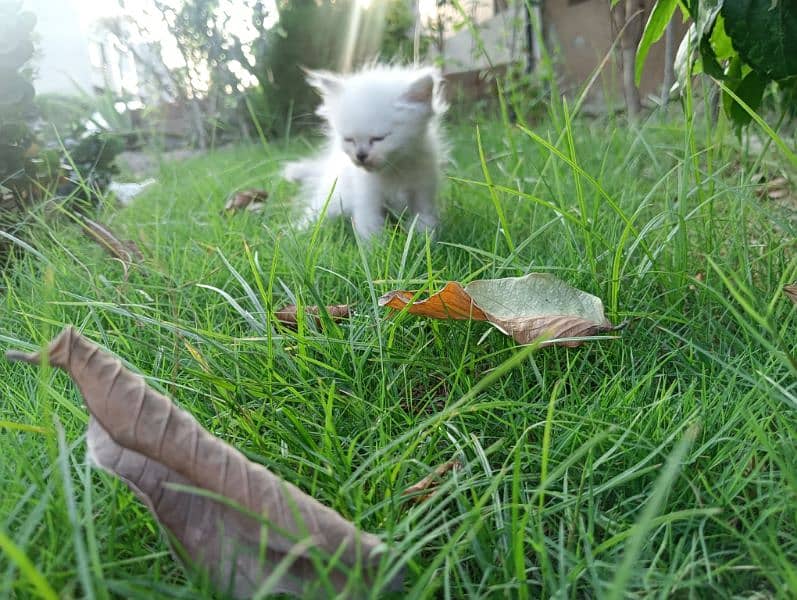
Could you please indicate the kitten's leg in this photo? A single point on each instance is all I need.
(367, 219)
(367, 214)
(423, 209)
(307, 218)
(318, 194)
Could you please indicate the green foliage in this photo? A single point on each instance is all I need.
(90, 165)
(747, 44)
(527, 93)
(308, 35)
(82, 135)
(659, 18)
(64, 112)
(314, 35)
(396, 43)
(765, 35)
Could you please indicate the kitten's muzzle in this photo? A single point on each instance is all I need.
(362, 157)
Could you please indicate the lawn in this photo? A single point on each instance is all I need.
(660, 463)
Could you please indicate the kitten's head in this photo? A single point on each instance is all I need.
(378, 115)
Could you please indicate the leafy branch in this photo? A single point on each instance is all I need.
(745, 44)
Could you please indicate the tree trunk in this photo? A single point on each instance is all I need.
(539, 33)
(415, 31)
(630, 15)
(531, 64)
(198, 123)
(440, 39)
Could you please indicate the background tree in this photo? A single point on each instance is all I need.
(224, 79)
(628, 19)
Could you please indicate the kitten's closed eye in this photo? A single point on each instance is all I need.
(371, 140)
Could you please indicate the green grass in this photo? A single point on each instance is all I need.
(660, 464)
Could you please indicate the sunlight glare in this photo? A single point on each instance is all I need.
(351, 36)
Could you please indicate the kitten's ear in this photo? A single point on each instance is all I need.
(328, 84)
(420, 92)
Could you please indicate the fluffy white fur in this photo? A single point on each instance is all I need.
(384, 149)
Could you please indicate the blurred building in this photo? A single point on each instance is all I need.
(577, 34)
(127, 64)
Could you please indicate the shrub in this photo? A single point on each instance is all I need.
(77, 166)
(16, 95)
(746, 45)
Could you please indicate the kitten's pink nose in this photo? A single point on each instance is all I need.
(361, 156)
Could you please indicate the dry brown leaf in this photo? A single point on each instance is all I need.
(429, 483)
(778, 193)
(5, 193)
(251, 199)
(125, 251)
(287, 314)
(791, 291)
(526, 308)
(700, 278)
(143, 438)
(776, 188)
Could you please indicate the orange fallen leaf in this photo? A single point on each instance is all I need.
(452, 302)
(526, 308)
(287, 315)
(429, 483)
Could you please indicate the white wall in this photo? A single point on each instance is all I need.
(61, 45)
(501, 37)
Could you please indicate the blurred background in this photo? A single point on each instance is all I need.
(89, 88)
(197, 73)
(91, 91)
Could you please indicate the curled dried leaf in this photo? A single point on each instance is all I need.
(251, 199)
(778, 194)
(237, 521)
(126, 251)
(775, 188)
(525, 308)
(429, 483)
(791, 291)
(287, 315)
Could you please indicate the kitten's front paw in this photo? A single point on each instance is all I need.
(306, 219)
(426, 224)
(367, 224)
(366, 231)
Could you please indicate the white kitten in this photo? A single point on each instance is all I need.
(384, 149)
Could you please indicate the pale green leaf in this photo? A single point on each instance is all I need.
(660, 16)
